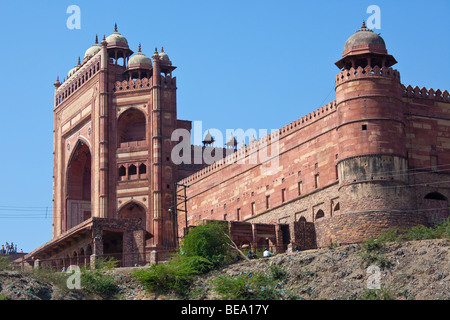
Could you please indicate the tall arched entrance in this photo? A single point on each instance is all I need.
(78, 187)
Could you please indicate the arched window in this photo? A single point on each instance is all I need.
(337, 207)
(142, 168)
(320, 214)
(132, 170)
(122, 171)
(131, 126)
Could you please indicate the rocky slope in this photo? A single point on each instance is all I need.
(415, 270)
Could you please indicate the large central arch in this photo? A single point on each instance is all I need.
(78, 186)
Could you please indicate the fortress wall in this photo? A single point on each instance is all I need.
(427, 129)
(306, 147)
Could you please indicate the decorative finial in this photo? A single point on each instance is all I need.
(162, 49)
(364, 25)
(104, 38)
(156, 50)
(79, 62)
(115, 27)
(139, 48)
(96, 39)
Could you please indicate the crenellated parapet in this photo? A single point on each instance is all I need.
(244, 154)
(144, 83)
(367, 72)
(85, 72)
(416, 92)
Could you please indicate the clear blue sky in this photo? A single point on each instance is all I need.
(241, 64)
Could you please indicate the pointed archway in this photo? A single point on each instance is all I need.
(78, 187)
(133, 210)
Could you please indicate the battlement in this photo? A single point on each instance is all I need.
(425, 93)
(246, 151)
(86, 71)
(145, 83)
(367, 72)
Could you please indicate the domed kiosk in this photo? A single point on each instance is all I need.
(365, 47)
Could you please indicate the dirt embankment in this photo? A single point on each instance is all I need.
(415, 270)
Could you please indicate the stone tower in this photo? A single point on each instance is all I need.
(114, 116)
(373, 163)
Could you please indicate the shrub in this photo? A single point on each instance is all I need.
(5, 264)
(378, 294)
(443, 229)
(98, 280)
(232, 288)
(175, 275)
(421, 232)
(204, 248)
(49, 275)
(370, 253)
(210, 240)
(246, 287)
(277, 273)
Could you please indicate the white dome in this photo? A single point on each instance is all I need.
(140, 59)
(92, 51)
(72, 71)
(116, 39)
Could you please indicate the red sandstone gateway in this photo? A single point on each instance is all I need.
(374, 158)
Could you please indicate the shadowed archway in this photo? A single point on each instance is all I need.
(78, 186)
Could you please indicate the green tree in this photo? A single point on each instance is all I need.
(210, 241)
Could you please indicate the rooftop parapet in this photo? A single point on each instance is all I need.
(416, 92)
(253, 147)
(359, 73)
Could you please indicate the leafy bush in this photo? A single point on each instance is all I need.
(232, 288)
(421, 232)
(5, 264)
(210, 240)
(204, 248)
(370, 253)
(173, 276)
(277, 273)
(378, 294)
(246, 287)
(443, 229)
(98, 280)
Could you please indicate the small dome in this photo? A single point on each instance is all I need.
(92, 51)
(365, 37)
(163, 57)
(140, 58)
(231, 141)
(208, 138)
(116, 39)
(72, 71)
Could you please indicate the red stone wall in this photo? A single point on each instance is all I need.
(306, 148)
(376, 188)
